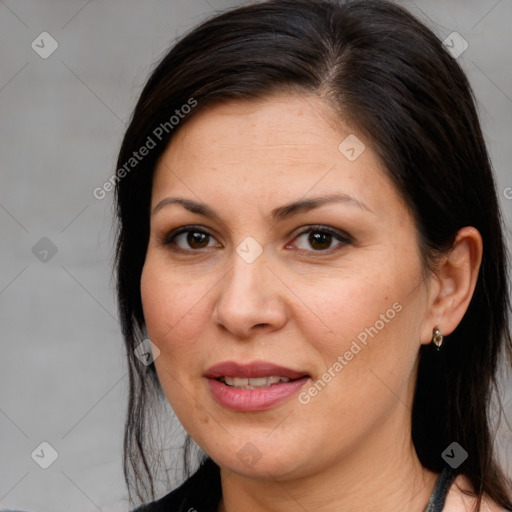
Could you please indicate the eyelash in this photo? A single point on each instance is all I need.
(343, 238)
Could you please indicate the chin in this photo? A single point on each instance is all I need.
(261, 463)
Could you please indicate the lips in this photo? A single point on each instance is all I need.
(253, 387)
(252, 370)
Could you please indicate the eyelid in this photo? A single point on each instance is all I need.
(168, 237)
(341, 236)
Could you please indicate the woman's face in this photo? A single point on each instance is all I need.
(329, 298)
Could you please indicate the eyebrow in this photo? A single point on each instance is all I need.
(278, 214)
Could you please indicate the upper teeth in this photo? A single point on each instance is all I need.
(253, 382)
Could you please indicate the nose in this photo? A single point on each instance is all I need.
(251, 299)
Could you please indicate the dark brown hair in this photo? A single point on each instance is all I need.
(391, 78)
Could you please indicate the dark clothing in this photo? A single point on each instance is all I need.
(202, 492)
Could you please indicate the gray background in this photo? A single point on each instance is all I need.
(63, 377)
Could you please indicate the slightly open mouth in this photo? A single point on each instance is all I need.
(254, 382)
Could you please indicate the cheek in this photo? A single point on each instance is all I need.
(346, 306)
(369, 320)
(173, 310)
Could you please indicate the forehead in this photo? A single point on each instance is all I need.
(280, 124)
(285, 145)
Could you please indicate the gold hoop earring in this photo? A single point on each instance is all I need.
(437, 338)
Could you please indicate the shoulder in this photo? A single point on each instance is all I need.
(201, 493)
(458, 501)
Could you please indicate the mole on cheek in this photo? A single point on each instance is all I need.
(202, 415)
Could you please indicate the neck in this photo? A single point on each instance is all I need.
(377, 476)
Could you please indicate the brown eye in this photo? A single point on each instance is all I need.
(189, 239)
(197, 240)
(321, 239)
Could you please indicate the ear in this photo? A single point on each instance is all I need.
(453, 283)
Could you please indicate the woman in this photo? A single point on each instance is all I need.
(310, 237)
